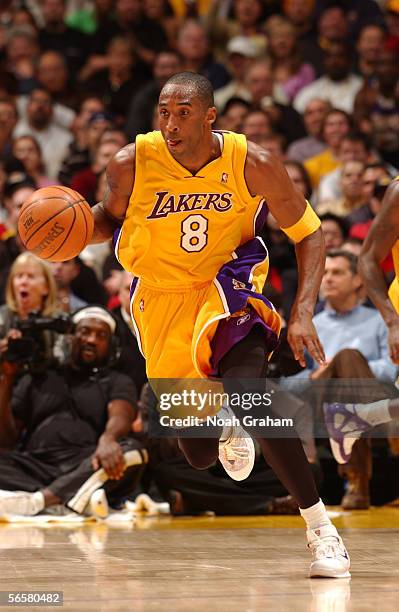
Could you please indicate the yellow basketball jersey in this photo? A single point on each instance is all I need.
(180, 228)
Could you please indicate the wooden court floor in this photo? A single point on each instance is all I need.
(203, 564)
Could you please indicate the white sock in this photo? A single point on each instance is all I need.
(37, 499)
(375, 413)
(315, 516)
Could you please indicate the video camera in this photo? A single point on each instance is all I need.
(33, 349)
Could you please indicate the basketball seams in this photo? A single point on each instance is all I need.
(82, 210)
(59, 212)
(65, 238)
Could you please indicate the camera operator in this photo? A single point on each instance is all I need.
(72, 420)
(30, 289)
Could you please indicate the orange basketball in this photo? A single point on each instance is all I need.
(55, 223)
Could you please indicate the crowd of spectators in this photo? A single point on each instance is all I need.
(315, 82)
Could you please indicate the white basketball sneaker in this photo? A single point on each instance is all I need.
(237, 453)
(330, 557)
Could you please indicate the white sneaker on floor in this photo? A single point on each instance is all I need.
(330, 557)
(21, 502)
(98, 505)
(237, 454)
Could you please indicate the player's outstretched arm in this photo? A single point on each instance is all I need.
(383, 234)
(110, 213)
(266, 176)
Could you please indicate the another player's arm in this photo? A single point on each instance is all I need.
(383, 234)
(110, 213)
(266, 176)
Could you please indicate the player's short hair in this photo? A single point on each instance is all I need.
(197, 82)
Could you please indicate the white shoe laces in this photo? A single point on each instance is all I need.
(325, 547)
(232, 451)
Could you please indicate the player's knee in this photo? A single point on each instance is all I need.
(348, 356)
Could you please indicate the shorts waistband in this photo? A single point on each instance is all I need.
(164, 288)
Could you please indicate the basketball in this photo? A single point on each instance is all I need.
(55, 223)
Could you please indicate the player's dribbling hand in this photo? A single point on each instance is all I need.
(302, 335)
(109, 455)
(393, 342)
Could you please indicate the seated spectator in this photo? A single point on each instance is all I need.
(139, 112)
(242, 52)
(30, 289)
(354, 146)
(373, 173)
(257, 125)
(354, 338)
(336, 124)
(334, 229)
(289, 71)
(85, 181)
(369, 45)
(8, 121)
(352, 191)
(52, 73)
(64, 272)
(313, 144)
(78, 155)
(193, 46)
(40, 123)
(338, 85)
(275, 144)
(298, 175)
(130, 360)
(73, 420)
(22, 52)
(284, 118)
(376, 109)
(122, 77)
(28, 151)
(233, 115)
(18, 188)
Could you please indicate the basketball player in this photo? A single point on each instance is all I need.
(187, 202)
(347, 422)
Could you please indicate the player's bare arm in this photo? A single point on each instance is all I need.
(383, 234)
(110, 213)
(266, 176)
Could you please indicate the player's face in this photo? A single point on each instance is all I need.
(183, 121)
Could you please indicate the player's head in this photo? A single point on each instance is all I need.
(186, 112)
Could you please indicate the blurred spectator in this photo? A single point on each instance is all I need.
(75, 420)
(302, 15)
(233, 115)
(194, 48)
(336, 124)
(122, 77)
(289, 71)
(52, 74)
(334, 231)
(339, 86)
(142, 103)
(78, 156)
(354, 146)
(377, 108)
(114, 136)
(373, 173)
(85, 181)
(40, 124)
(64, 273)
(298, 175)
(88, 19)
(8, 121)
(361, 219)
(160, 11)
(30, 288)
(369, 46)
(86, 286)
(310, 145)
(28, 151)
(392, 23)
(128, 19)
(55, 35)
(257, 125)
(352, 191)
(241, 54)
(284, 118)
(22, 52)
(274, 144)
(131, 361)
